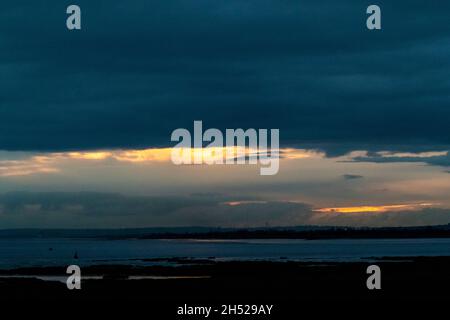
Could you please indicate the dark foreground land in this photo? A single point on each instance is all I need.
(292, 287)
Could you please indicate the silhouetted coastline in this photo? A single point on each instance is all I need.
(299, 232)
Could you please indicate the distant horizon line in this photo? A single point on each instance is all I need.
(221, 228)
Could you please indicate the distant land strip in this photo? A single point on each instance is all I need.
(204, 233)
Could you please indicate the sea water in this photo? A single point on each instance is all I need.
(34, 252)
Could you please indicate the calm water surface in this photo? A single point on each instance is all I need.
(60, 252)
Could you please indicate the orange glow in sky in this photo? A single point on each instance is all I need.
(385, 208)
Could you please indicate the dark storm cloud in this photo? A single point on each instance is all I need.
(87, 209)
(103, 210)
(139, 69)
(438, 160)
(96, 204)
(352, 176)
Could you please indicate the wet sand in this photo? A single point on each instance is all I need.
(292, 287)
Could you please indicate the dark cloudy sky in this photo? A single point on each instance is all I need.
(365, 114)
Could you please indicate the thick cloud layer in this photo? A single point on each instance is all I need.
(139, 69)
(103, 210)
